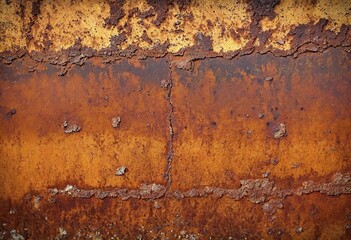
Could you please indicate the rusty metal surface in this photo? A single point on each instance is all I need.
(175, 119)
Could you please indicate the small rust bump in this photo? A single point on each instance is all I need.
(266, 174)
(275, 232)
(67, 188)
(62, 71)
(53, 191)
(74, 128)
(260, 115)
(274, 161)
(280, 42)
(31, 68)
(269, 79)
(185, 65)
(164, 84)
(157, 205)
(79, 60)
(15, 235)
(280, 131)
(65, 124)
(299, 229)
(11, 113)
(121, 171)
(116, 122)
(62, 234)
(272, 206)
(295, 165)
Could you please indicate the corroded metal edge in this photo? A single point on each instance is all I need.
(258, 26)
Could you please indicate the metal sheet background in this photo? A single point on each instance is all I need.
(198, 118)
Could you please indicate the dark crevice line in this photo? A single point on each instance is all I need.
(170, 152)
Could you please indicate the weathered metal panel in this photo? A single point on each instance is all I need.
(175, 119)
(227, 112)
(88, 97)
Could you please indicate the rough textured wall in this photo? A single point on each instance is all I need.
(175, 119)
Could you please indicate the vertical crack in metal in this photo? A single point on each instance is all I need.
(170, 153)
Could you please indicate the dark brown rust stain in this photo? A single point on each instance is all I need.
(142, 15)
(161, 8)
(7, 113)
(203, 42)
(263, 8)
(314, 38)
(36, 7)
(116, 12)
(28, 29)
(260, 9)
(146, 38)
(183, 4)
(193, 218)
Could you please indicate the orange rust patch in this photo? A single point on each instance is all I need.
(34, 145)
(221, 138)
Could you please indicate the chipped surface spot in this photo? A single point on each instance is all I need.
(120, 171)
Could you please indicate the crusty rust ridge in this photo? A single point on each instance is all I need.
(257, 190)
(229, 119)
